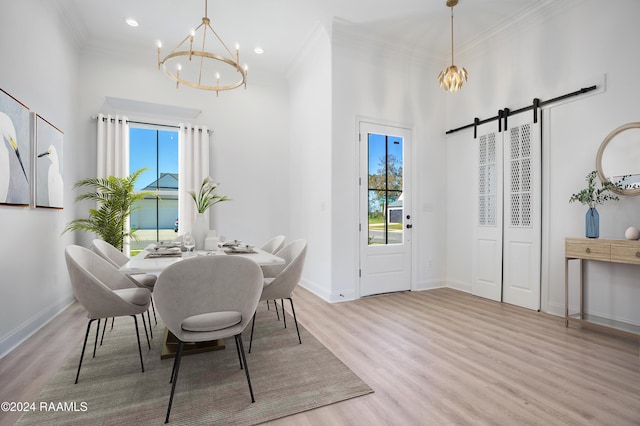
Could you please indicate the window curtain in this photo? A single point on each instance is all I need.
(113, 146)
(193, 166)
(113, 151)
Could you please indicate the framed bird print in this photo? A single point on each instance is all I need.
(15, 151)
(48, 147)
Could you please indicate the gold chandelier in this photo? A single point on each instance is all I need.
(201, 69)
(452, 77)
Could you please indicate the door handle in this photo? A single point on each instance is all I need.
(409, 226)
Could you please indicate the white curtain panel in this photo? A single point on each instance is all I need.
(113, 146)
(113, 151)
(193, 164)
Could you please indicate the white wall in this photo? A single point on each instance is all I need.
(39, 68)
(552, 55)
(310, 160)
(249, 145)
(389, 88)
(460, 205)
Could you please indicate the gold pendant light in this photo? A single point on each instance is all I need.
(452, 78)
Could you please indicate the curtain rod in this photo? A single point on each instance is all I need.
(506, 112)
(173, 126)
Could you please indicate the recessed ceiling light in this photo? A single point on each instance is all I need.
(259, 50)
(131, 22)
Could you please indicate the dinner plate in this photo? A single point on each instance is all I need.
(165, 250)
(163, 254)
(164, 247)
(242, 249)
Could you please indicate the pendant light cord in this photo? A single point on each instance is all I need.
(452, 35)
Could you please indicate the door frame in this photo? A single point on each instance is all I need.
(415, 217)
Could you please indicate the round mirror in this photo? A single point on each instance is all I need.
(618, 158)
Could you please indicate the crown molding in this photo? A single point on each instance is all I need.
(76, 30)
(345, 33)
(525, 20)
(315, 36)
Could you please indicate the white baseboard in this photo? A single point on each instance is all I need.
(459, 285)
(430, 285)
(27, 329)
(554, 309)
(316, 289)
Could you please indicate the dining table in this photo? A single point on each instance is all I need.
(155, 258)
(152, 261)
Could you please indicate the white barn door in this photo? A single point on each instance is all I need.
(522, 213)
(507, 233)
(487, 253)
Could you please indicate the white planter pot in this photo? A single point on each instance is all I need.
(200, 230)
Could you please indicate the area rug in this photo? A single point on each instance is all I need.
(287, 378)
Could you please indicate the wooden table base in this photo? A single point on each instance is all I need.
(170, 346)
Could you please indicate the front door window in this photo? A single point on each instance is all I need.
(385, 167)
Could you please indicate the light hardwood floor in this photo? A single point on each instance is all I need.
(436, 357)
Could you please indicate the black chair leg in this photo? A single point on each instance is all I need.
(149, 318)
(284, 317)
(95, 343)
(173, 369)
(144, 323)
(84, 345)
(154, 310)
(112, 320)
(176, 367)
(275, 303)
(104, 327)
(138, 336)
(239, 357)
(253, 324)
(246, 367)
(295, 319)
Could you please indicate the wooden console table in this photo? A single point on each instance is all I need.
(602, 250)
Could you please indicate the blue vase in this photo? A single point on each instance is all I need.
(592, 222)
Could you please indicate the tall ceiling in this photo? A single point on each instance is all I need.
(281, 27)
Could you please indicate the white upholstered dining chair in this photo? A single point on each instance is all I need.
(207, 298)
(274, 244)
(281, 287)
(118, 259)
(104, 292)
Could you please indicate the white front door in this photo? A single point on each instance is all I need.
(385, 209)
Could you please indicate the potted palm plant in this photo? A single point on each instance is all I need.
(116, 201)
(593, 195)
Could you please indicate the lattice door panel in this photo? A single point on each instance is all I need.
(520, 182)
(488, 181)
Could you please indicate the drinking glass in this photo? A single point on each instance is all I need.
(221, 240)
(189, 242)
